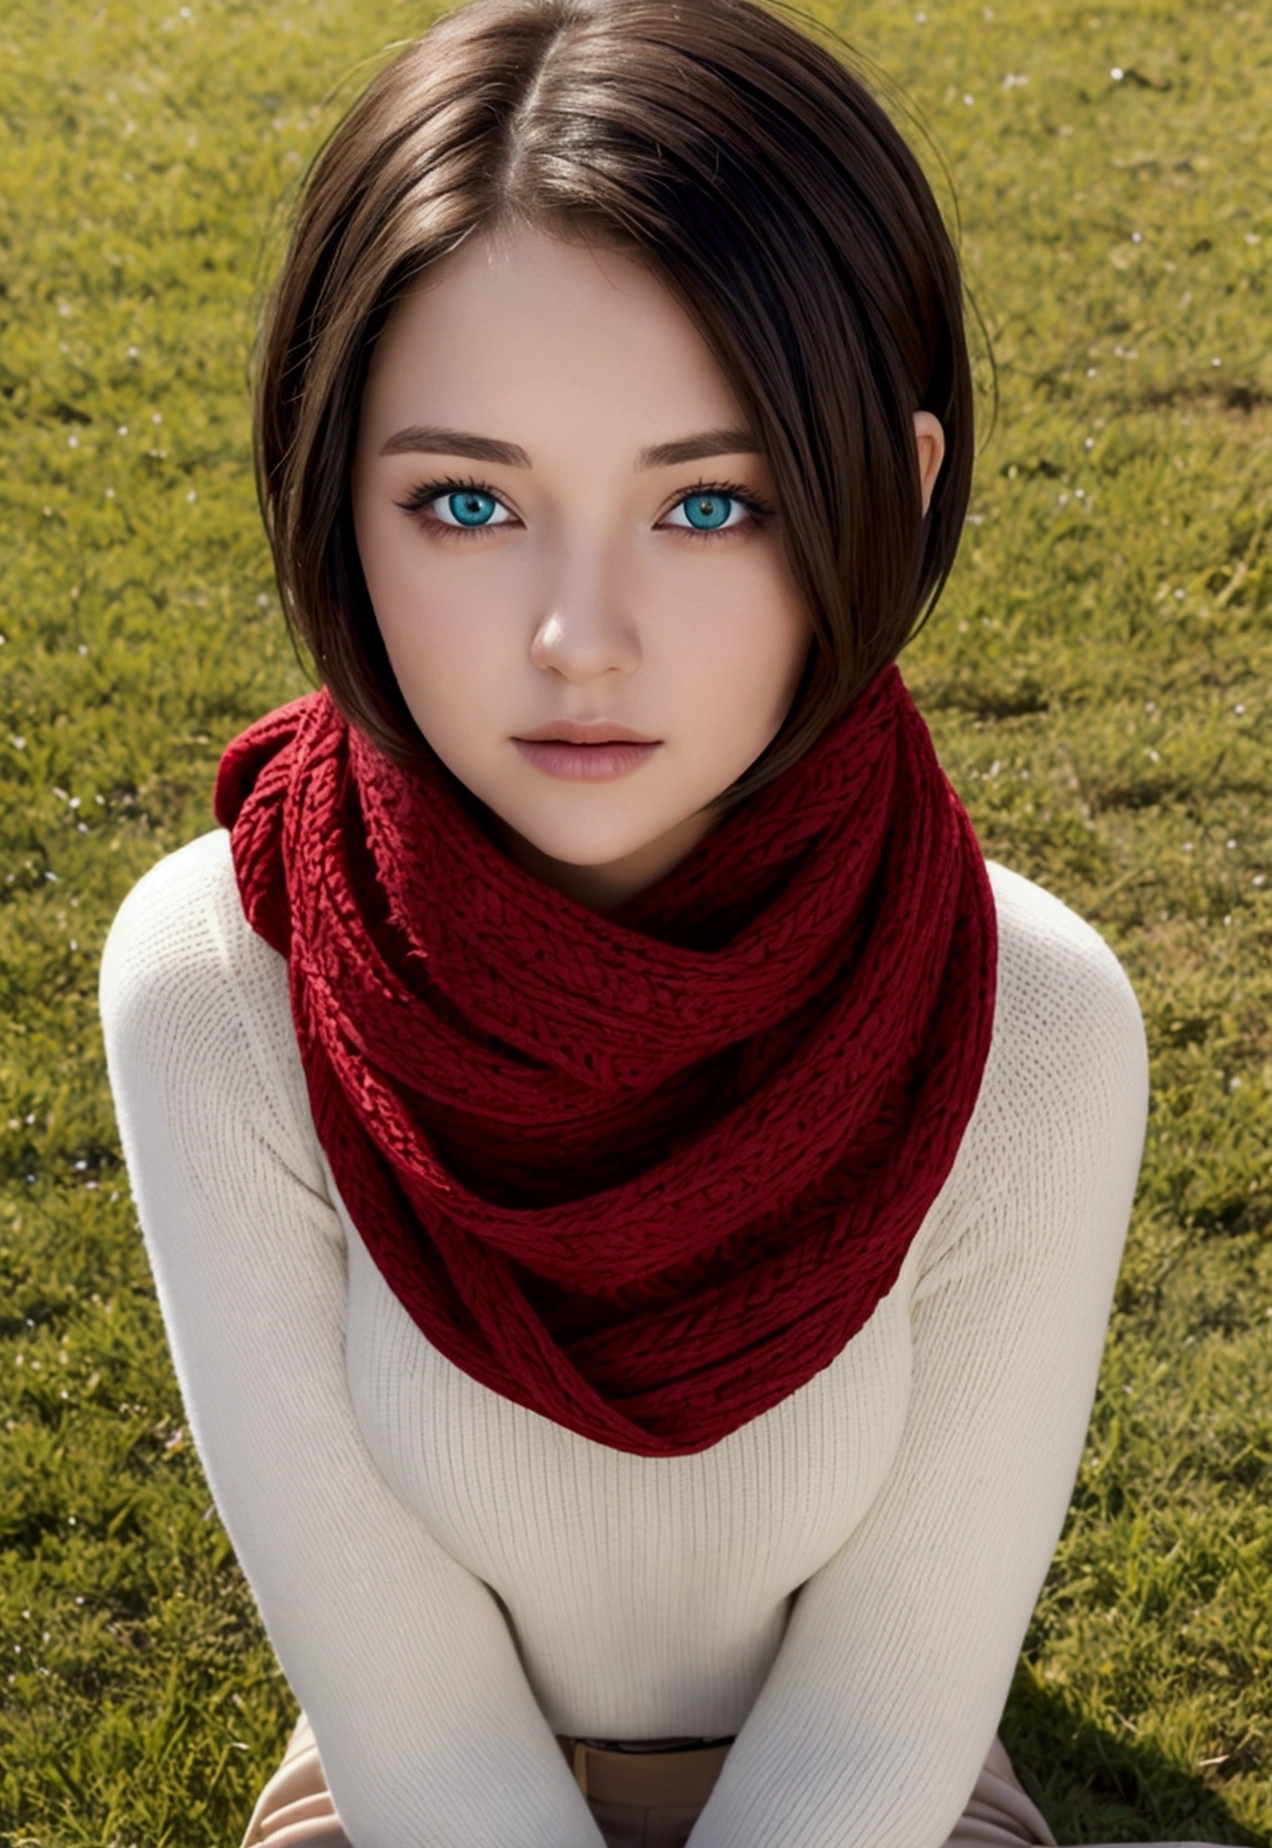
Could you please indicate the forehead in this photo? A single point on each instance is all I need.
(525, 324)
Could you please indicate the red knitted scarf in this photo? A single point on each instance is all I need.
(645, 1172)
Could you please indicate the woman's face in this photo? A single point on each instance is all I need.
(569, 536)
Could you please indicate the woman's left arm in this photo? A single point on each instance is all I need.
(875, 1719)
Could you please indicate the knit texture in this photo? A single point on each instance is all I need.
(646, 1172)
(447, 1577)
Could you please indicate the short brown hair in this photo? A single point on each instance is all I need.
(757, 176)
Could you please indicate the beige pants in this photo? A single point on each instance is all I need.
(295, 1809)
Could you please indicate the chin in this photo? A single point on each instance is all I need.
(584, 834)
(587, 847)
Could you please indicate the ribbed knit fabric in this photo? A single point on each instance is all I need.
(448, 1578)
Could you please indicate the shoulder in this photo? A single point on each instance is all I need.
(188, 992)
(1045, 1173)
(173, 901)
(181, 932)
(1064, 1005)
(1063, 1102)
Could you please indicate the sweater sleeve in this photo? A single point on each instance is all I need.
(426, 1725)
(877, 1713)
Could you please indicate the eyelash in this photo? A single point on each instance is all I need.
(420, 497)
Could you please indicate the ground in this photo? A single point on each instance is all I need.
(1096, 676)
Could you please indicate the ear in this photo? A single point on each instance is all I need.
(931, 440)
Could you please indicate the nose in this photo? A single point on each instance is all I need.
(584, 633)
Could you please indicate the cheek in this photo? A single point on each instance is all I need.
(424, 606)
(444, 663)
(741, 644)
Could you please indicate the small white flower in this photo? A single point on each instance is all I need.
(1117, 73)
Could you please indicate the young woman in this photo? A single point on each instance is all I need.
(634, 1198)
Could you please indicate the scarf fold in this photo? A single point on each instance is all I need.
(645, 1172)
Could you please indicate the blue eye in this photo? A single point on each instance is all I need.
(718, 507)
(460, 507)
(469, 508)
(706, 512)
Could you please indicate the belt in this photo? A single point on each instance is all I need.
(648, 1773)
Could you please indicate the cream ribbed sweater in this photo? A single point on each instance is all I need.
(449, 1578)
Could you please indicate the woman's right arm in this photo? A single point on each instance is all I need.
(427, 1728)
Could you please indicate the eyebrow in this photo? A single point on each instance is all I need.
(434, 439)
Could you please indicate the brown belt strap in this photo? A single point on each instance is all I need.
(683, 1776)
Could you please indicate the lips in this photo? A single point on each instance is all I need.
(601, 753)
(583, 731)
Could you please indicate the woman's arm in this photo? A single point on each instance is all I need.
(876, 1716)
(427, 1729)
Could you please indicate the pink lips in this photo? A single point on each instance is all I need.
(586, 750)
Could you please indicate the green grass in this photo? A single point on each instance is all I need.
(1097, 679)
